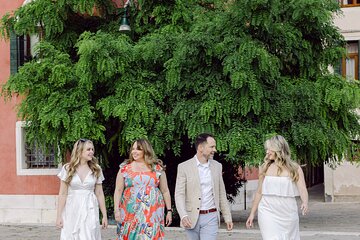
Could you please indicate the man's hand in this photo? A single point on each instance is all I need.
(229, 226)
(186, 222)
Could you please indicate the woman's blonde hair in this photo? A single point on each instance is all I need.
(279, 145)
(149, 155)
(76, 158)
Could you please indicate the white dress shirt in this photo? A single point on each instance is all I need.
(207, 195)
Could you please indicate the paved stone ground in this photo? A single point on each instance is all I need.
(325, 221)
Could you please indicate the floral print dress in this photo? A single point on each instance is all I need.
(141, 205)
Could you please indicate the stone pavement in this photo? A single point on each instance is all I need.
(325, 221)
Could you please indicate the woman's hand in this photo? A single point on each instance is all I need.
(304, 208)
(168, 218)
(117, 215)
(59, 222)
(104, 222)
(249, 221)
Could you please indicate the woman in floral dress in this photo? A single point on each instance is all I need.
(141, 195)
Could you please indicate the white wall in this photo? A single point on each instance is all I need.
(19, 209)
(349, 23)
(342, 184)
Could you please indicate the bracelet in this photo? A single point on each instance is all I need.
(169, 210)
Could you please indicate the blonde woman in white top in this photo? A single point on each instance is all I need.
(280, 181)
(80, 195)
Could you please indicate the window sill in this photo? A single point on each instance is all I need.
(350, 5)
(33, 172)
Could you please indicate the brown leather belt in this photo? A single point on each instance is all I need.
(207, 211)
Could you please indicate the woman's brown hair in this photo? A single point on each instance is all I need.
(149, 155)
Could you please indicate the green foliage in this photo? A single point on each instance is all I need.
(242, 70)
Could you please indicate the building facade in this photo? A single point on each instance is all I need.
(29, 189)
(349, 25)
(29, 186)
(341, 181)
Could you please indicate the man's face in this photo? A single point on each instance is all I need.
(208, 148)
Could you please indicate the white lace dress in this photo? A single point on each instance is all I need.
(278, 211)
(81, 211)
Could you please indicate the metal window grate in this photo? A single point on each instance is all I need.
(36, 157)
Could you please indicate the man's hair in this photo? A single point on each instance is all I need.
(201, 138)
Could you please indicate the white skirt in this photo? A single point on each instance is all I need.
(81, 216)
(278, 218)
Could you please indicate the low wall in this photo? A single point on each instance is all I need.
(18, 209)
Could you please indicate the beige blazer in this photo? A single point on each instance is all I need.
(188, 192)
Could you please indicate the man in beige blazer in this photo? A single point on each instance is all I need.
(200, 192)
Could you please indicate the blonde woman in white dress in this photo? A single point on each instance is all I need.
(280, 181)
(80, 195)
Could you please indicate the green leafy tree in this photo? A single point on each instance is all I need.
(242, 70)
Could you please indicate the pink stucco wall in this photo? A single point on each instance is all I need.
(10, 182)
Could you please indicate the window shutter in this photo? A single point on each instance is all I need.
(16, 52)
(13, 53)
